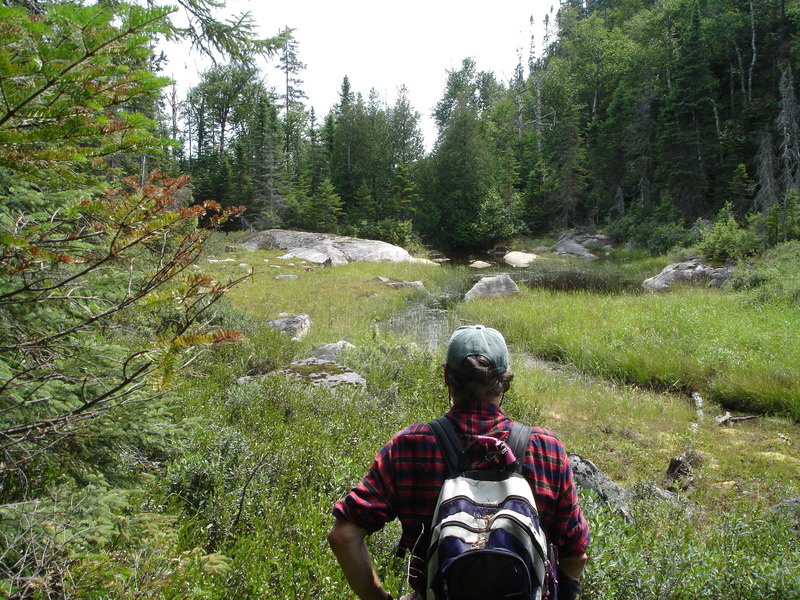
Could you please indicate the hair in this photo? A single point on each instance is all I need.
(477, 380)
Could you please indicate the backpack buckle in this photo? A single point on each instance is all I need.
(500, 448)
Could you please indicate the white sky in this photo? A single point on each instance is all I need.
(385, 45)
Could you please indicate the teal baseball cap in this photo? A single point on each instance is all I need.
(477, 340)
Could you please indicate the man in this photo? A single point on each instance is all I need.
(407, 473)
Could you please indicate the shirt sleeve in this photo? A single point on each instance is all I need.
(574, 529)
(371, 503)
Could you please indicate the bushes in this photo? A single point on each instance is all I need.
(774, 276)
(664, 555)
(726, 241)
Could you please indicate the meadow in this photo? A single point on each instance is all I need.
(237, 505)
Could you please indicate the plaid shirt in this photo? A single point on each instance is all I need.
(407, 473)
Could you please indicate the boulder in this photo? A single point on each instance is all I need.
(589, 477)
(324, 373)
(417, 285)
(499, 285)
(297, 327)
(692, 272)
(480, 264)
(520, 259)
(325, 248)
(576, 243)
(332, 352)
(322, 255)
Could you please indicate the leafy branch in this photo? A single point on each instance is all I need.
(59, 365)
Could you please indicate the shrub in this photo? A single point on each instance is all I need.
(666, 236)
(663, 555)
(726, 241)
(774, 276)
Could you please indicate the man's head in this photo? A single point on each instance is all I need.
(477, 364)
(477, 340)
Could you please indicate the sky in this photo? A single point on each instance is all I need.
(385, 45)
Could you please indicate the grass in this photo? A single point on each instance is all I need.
(247, 490)
(742, 355)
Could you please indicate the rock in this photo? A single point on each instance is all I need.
(499, 285)
(589, 477)
(332, 352)
(573, 243)
(418, 285)
(520, 259)
(324, 256)
(231, 248)
(480, 264)
(325, 248)
(287, 276)
(692, 272)
(324, 373)
(297, 326)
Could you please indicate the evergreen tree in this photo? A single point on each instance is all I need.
(406, 136)
(268, 177)
(463, 181)
(324, 209)
(684, 142)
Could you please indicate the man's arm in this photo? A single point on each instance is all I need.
(347, 542)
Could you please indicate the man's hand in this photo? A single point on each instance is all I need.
(568, 588)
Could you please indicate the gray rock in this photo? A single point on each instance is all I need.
(287, 276)
(499, 285)
(297, 327)
(417, 285)
(321, 256)
(574, 243)
(480, 264)
(520, 259)
(589, 477)
(692, 272)
(332, 352)
(324, 373)
(314, 247)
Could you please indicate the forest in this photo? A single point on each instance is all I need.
(640, 117)
(150, 446)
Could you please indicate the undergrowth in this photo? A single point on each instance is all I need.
(237, 502)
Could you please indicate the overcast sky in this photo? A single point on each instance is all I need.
(385, 45)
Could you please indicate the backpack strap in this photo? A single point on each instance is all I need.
(518, 440)
(449, 444)
(453, 451)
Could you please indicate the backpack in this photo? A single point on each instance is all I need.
(486, 540)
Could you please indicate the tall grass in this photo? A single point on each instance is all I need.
(742, 355)
(241, 505)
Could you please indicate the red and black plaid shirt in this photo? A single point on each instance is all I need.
(407, 473)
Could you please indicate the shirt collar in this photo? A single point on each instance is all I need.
(481, 409)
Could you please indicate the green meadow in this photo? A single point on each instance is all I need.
(231, 497)
(609, 368)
